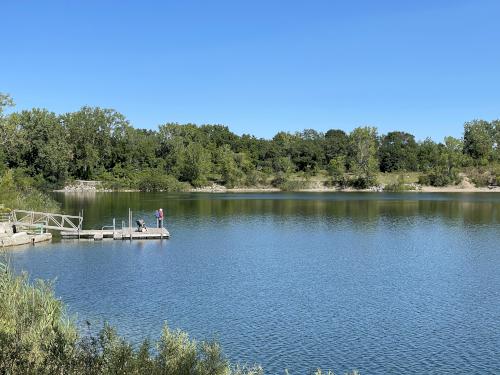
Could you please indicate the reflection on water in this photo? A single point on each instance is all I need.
(358, 207)
(385, 283)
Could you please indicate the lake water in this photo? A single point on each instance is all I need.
(382, 283)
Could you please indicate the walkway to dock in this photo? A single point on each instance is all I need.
(46, 220)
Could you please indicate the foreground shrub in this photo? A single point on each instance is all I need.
(36, 337)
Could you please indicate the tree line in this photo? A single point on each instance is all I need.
(99, 143)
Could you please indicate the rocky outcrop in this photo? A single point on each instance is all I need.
(214, 188)
(84, 186)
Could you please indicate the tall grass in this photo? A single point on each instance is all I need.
(38, 337)
(17, 192)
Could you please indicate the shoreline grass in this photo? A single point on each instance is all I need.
(38, 337)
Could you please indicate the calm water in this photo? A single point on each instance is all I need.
(382, 283)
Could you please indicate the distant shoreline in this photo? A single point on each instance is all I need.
(219, 190)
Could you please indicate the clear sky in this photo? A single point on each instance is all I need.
(259, 66)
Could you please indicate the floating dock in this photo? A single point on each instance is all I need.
(118, 234)
(70, 227)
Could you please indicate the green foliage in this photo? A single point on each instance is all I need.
(37, 337)
(93, 133)
(230, 173)
(5, 101)
(363, 182)
(156, 180)
(399, 185)
(337, 169)
(285, 183)
(42, 146)
(439, 176)
(397, 152)
(363, 156)
(485, 176)
(336, 144)
(481, 178)
(99, 143)
(293, 185)
(479, 138)
(283, 164)
(17, 192)
(194, 165)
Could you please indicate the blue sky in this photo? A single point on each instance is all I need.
(259, 66)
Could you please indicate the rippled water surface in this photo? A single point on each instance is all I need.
(382, 283)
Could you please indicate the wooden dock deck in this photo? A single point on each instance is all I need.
(118, 234)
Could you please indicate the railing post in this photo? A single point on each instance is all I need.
(130, 223)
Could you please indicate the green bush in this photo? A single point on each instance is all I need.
(399, 185)
(17, 192)
(424, 180)
(439, 177)
(481, 179)
(37, 337)
(294, 185)
(283, 182)
(363, 182)
(279, 180)
(154, 180)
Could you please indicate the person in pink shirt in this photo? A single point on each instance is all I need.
(160, 218)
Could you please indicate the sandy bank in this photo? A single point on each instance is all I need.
(326, 189)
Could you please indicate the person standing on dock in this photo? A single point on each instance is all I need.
(157, 215)
(160, 218)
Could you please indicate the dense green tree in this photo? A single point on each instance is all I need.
(398, 151)
(90, 132)
(230, 173)
(283, 164)
(97, 143)
(7, 134)
(479, 140)
(363, 155)
(337, 169)
(427, 155)
(194, 165)
(219, 135)
(496, 138)
(42, 144)
(307, 150)
(336, 144)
